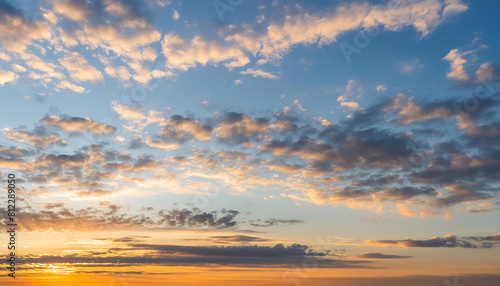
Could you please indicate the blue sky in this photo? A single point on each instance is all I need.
(364, 122)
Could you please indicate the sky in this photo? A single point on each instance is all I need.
(234, 142)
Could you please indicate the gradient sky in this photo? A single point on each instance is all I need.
(258, 142)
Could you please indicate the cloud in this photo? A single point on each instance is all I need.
(286, 124)
(327, 27)
(128, 112)
(227, 239)
(381, 88)
(13, 163)
(457, 63)
(371, 197)
(79, 69)
(50, 206)
(117, 27)
(76, 220)
(52, 161)
(278, 250)
(177, 131)
(306, 29)
(67, 85)
(197, 218)
(126, 239)
(275, 222)
(411, 66)
(238, 127)
(4, 57)
(487, 73)
(90, 193)
(17, 32)
(39, 138)
(382, 256)
(78, 124)
(91, 219)
(460, 59)
(120, 73)
(7, 76)
(142, 73)
(449, 241)
(285, 168)
(351, 105)
(176, 15)
(487, 238)
(377, 148)
(49, 69)
(183, 55)
(256, 256)
(353, 90)
(485, 131)
(13, 152)
(110, 36)
(18, 68)
(233, 156)
(459, 165)
(169, 141)
(143, 163)
(399, 155)
(406, 192)
(74, 10)
(454, 7)
(190, 125)
(411, 112)
(305, 148)
(259, 73)
(460, 192)
(122, 37)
